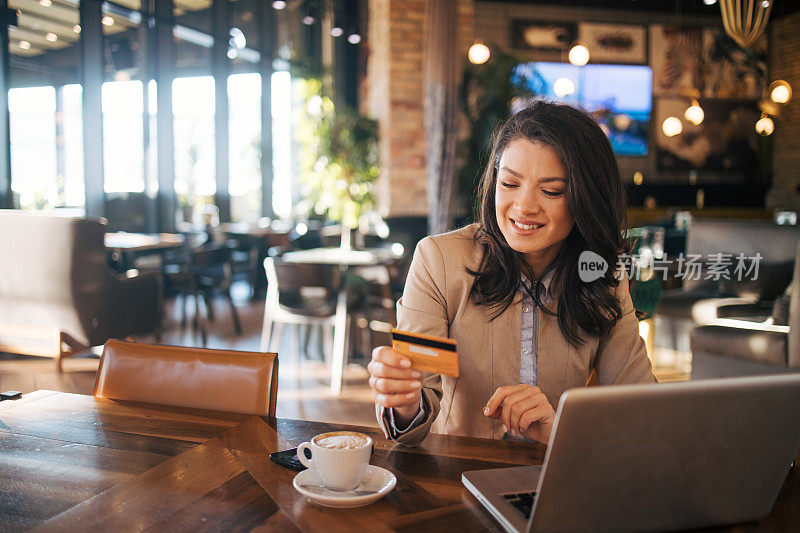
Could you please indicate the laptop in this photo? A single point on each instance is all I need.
(654, 457)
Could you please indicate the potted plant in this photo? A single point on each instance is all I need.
(339, 158)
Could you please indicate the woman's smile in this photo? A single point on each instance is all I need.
(526, 228)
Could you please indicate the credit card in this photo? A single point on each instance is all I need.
(427, 353)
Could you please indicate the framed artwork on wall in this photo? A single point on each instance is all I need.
(614, 43)
(691, 61)
(540, 36)
(725, 143)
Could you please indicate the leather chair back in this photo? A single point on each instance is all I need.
(52, 268)
(220, 380)
(776, 244)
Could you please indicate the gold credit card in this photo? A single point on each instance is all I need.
(427, 353)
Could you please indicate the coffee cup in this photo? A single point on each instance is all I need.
(339, 457)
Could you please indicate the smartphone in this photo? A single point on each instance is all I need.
(10, 395)
(288, 458)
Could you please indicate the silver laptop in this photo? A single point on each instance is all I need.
(654, 457)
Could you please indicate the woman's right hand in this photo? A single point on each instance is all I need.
(394, 383)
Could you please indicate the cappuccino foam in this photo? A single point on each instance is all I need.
(341, 440)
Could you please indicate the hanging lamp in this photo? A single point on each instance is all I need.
(745, 20)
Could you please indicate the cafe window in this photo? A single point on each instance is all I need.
(125, 93)
(45, 108)
(123, 149)
(244, 130)
(193, 127)
(282, 199)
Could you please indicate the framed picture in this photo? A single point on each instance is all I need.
(692, 61)
(725, 143)
(538, 36)
(614, 43)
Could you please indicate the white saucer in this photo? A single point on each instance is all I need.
(373, 487)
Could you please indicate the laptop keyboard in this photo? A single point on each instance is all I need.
(522, 502)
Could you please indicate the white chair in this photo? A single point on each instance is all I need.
(303, 294)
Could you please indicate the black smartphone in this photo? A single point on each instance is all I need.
(10, 395)
(288, 458)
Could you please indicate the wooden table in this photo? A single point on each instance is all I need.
(345, 259)
(125, 246)
(70, 462)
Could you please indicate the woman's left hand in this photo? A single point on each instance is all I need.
(523, 409)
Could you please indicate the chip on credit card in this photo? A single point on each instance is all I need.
(427, 353)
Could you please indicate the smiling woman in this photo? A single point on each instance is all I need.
(566, 177)
(509, 291)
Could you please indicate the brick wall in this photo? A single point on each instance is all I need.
(395, 81)
(784, 63)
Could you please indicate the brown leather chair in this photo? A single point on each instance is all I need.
(57, 290)
(704, 301)
(741, 347)
(221, 380)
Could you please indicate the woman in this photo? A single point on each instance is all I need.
(509, 291)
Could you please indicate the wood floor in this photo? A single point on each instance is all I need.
(303, 382)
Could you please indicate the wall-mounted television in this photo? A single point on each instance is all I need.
(618, 96)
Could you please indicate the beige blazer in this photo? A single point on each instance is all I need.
(436, 301)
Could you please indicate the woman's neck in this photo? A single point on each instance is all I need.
(538, 262)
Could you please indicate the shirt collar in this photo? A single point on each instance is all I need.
(546, 280)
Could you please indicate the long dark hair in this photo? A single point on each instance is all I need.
(596, 203)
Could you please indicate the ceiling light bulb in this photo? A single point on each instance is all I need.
(780, 91)
(354, 38)
(25, 45)
(108, 21)
(672, 126)
(780, 95)
(278, 4)
(622, 122)
(709, 2)
(76, 28)
(765, 126)
(336, 31)
(765, 4)
(694, 113)
(52, 37)
(237, 39)
(563, 87)
(45, 3)
(479, 54)
(579, 55)
(308, 20)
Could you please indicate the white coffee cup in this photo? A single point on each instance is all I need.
(339, 457)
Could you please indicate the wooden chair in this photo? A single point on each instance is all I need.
(212, 271)
(220, 380)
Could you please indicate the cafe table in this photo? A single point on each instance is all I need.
(125, 246)
(346, 259)
(72, 462)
